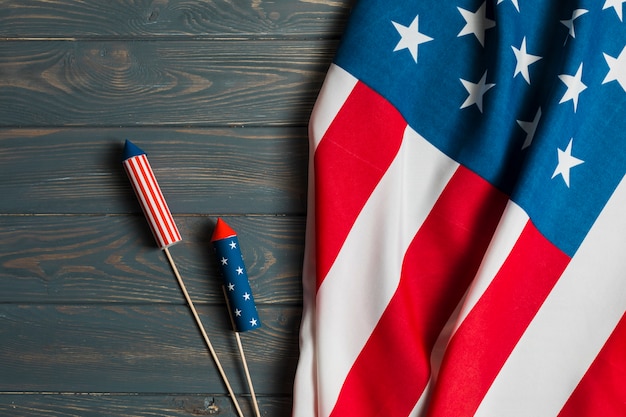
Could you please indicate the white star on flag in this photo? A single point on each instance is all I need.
(411, 37)
(570, 22)
(514, 4)
(530, 128)
(524, 60)
(476, 23)
(574, 85)
(617, 69)
(566, 163)
(616, 5)
(476, 92)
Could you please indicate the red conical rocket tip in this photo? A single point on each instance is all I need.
(222, 231)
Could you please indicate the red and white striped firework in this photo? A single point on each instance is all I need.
(147, 189)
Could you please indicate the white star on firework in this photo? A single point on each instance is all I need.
(476, 92)
(574, 85)
(524, 60)
(616, 5)
(530, 128)
(253, 322)
(566, 163)
(617, 69)
(224, 261)
(232, 244)
(246, 296)
(411, 37)
(231, 286)
(237, 312)
(476, 23)
(239, 271)
(570, 23)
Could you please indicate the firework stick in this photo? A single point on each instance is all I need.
(244, 362)
(204, 333)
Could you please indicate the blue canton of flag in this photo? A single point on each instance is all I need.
(235, 278)
(525, 94)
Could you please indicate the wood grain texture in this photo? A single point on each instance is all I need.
(114, 259)
(218, 93)
(175, 83)
(137, 405)
(227, 170)
(172, 18)
(141, 349)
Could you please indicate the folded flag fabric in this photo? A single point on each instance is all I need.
(466, 235)
(150, 197)
(235, 277)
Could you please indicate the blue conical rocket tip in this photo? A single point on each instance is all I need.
(130, 150)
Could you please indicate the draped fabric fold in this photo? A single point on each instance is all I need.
(466, 230)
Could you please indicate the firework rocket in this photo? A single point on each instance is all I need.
(147, 189)
(236, 284)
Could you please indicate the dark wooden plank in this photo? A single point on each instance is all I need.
(113, 259)
(141, 349)
(229, 170)
(137, 405)
(180, 18)
(141, 83)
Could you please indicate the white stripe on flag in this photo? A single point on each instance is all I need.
(335, 91)
(305, 388)
(513, 221)
(337, 86)
(570, 328)
(386, 226)
(333, 94)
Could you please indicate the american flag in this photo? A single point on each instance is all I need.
(466, 232)
(236, 285)
(150, 197)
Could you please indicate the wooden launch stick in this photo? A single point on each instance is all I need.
(148, 192)
(204, 333)
(244, 362)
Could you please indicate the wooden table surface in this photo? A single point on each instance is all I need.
(218, 93)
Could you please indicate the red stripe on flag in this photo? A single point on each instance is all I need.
(352, 157)
(485, 339)
(437, 269)
(602, 391)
